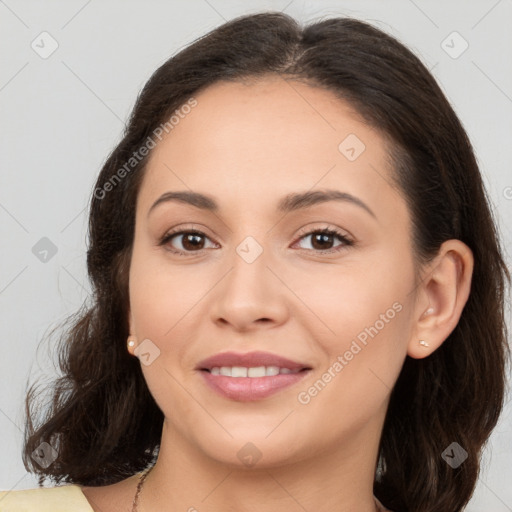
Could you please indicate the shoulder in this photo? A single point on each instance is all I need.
(47, 499)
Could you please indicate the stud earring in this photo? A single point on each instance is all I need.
(423, 342)
(429, 311)
(131, 343)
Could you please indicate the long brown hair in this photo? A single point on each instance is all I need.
(102, 420)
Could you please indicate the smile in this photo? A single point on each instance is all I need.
(254, 371)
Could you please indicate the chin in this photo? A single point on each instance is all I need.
(254, 449)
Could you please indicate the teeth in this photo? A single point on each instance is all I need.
(257, 371)
(238, 371)
(263, 371)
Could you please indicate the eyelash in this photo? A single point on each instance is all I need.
(347, 242)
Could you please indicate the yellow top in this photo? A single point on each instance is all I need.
(64, 498)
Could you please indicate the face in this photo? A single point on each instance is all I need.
(257, 273)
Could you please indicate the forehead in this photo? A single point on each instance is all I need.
(261, 139)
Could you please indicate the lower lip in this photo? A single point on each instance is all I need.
(248, 389)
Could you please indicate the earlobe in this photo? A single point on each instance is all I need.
(442, 294)
(131, 342)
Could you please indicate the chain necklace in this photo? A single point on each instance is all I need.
(139, 488)
(146, 473)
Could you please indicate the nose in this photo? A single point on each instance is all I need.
(251, 293)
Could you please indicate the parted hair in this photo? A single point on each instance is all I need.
(99, 414)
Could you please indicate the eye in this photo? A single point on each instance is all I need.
(322, 240)
(190, 241)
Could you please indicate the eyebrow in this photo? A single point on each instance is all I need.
(289, 203)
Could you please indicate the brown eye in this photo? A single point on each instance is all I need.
(323, 240)
(185, 241)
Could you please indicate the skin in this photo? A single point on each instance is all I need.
(248, 145)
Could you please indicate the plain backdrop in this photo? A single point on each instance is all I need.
(69, 75)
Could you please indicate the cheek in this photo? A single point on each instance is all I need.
(346, 298)
(156, 307)
(160, 293)
(363, 359)
(161, 302)
(361, 320)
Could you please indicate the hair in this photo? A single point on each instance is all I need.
(102, 419)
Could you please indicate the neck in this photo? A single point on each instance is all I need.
(184, 478)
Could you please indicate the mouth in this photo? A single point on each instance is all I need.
(252, 371)
(251, 376)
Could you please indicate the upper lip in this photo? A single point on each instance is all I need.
(249, 359)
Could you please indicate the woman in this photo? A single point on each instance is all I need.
(298, 290)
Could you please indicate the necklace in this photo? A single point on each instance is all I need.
(146, 473)
(139, 488)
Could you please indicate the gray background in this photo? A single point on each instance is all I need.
(61, 115)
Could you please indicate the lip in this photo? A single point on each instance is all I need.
(248, 389)
(256, 358)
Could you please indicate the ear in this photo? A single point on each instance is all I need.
(131, 335)
(441, 297)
